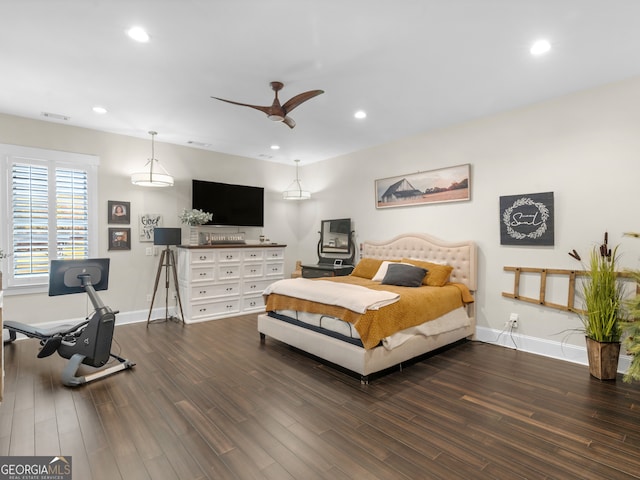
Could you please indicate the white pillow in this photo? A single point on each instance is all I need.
(382, 271)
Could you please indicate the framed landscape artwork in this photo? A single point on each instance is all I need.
(449, 184)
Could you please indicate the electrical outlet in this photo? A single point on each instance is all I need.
(513, 321)
(149, 251)
(149, 297)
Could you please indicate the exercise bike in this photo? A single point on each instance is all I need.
(88, 342)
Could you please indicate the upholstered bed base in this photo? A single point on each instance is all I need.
(351, 357)
(460, 255)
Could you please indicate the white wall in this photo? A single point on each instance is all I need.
(585, 148)
(132, 273)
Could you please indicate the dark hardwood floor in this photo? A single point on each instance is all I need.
(209, 401)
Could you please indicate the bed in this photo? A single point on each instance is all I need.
(362, 342)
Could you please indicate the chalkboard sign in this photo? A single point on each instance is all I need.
(527, 219)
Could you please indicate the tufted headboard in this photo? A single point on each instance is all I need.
(460, 255)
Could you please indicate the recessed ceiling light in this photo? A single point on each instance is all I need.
(139, 34)
(275, 147)
(540, 47)
(99, 110)
(360, 114)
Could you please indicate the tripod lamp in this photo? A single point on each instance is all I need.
(167, 237)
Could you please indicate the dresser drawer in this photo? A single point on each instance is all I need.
(201, 273)
(253, 270)
(228, 272)
(253, 255)
(274, 254)
(212, 290)
(252, 303)
(274, 269)
(256, 287)
(203, 256)
(229, 256)
(211, 309)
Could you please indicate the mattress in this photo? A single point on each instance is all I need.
(338, 328)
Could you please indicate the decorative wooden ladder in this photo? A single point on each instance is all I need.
(544, 273)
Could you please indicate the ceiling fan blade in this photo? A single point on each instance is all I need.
(300, 98)
(290, 122)
(266, 110)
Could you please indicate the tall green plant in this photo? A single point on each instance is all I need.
(631, 340)
(603, 296)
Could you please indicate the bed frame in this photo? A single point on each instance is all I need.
(460, 255)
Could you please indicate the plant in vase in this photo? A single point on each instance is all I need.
(631, 337)
(603, 316)
(194, 218)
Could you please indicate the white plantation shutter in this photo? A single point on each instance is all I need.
(72, 214)
(51, 212)
(30, 218)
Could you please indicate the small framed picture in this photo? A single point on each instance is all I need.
(119, 239)
(119, 212)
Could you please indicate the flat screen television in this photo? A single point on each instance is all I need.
(236, 205)
(65, 275)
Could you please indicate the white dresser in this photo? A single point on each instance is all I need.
(223, 281)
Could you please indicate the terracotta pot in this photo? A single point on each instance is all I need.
(603, 359)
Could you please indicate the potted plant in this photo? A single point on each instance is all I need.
(602, 318)
(194, 218)
(631, 327)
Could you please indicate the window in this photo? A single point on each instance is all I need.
(50, 212)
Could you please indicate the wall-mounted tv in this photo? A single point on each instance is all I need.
(236, 205)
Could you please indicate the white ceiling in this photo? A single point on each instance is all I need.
(413, 65)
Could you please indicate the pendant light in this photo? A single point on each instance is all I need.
(295, 191)
(152, 177)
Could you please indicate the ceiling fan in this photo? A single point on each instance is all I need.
(277, 112)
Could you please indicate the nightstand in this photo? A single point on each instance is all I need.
(325, 270)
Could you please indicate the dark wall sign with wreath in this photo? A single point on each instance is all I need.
(526, 219)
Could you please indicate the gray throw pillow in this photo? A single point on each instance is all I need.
(404, 275)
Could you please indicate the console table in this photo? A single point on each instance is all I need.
(325, 270)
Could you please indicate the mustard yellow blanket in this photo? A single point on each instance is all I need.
(416, 306)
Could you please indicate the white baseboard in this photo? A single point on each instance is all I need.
(541, 346)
